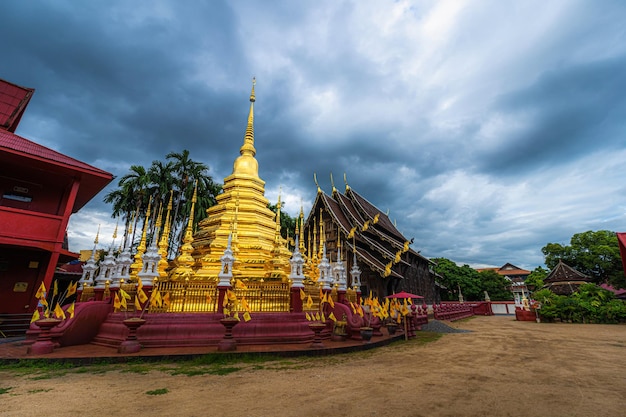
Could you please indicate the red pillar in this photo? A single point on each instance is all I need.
(296, 301)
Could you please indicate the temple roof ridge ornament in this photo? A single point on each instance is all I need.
(345, 180)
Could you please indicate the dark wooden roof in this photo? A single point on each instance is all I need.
(565, 273)
(378, 244)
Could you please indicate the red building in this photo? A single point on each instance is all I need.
(39, 190)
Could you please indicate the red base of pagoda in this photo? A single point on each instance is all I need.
(205, 329)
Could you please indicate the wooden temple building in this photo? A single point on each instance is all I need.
(355, 228)
(565, 280)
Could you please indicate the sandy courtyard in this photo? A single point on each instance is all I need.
(501, 368)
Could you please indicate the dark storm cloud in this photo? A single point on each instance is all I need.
(485, 133)
(567, 112)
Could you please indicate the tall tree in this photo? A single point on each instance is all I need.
(179, 174)
(593, 253)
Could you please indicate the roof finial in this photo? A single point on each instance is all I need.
(345, 180)
(332, 183)
(248, 142)
(319, 190)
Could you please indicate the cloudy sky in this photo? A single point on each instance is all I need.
(487, 128)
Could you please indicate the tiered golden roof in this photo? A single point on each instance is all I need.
(242, 210)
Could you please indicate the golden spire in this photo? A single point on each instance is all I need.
(95, 241)
(322, 236)
(332, 183)
(164, 241)
(185, 260)
(346, 181)
(245, 163)
(301, 234)
(141, 249)
(277, 236)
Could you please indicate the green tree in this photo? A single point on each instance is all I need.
(496, 285)
(593, 253)
(456, 278)
(178, 175)
(534, 281)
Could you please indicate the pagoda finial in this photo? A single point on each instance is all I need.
(95, 241)
(246, 164)
(332, 183)
(248, 142)
(345, 180)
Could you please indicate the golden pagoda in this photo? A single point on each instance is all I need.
(242, 210)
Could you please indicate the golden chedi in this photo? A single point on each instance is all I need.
(242, 210)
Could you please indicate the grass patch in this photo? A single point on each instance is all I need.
(159, 391)
(5, 390)
(35, 391)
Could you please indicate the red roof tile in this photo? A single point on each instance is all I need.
(13, 102)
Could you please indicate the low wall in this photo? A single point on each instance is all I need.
(501, 308)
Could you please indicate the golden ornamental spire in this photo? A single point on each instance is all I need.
(141, 249)
(184, 261)
(164, 241)
(95, 241)
(322, 236)
(345, 180)
(278, 205)
(246, 163)
(301, 234)
(332, 183)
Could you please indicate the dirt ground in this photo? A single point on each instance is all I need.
(501, 368)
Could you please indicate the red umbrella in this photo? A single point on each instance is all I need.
(404, 294)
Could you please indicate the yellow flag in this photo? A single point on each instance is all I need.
(166, 300)
(410, 301)
(155, 299)
(41, 292)
(58, 311)
(231, 295)
(332, 317)
(142, 295)
(225, 300)
(322, 317)
(226, 311)
(137, 304)
(116, 302)
(302, 295)
(70, 311)
(399, 318)
(209, 299)
(71, 289)
(317, 316)
(324, 298)
(246, 316)
(244, 304)
(240, 285)
(308, 316)
(352, 307)
(124, 294)
(236, 316)
(36, 316)
(309, 302)
(331, 302)
(56, 288)
(139, 284)
(123, 303)
(360, 311)
(44, 302)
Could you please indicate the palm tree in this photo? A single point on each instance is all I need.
(189, 172)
